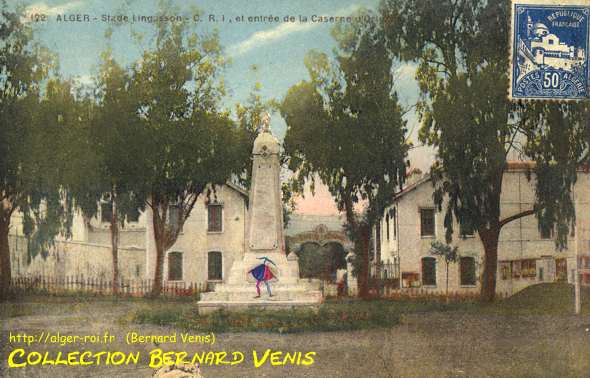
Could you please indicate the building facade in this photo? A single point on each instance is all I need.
(212, 235)
(527, 254)
(211, 239)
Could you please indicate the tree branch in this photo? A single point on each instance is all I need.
(585, 158)
(511, 142)
(511, 218)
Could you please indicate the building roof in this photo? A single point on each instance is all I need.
(237, 188)
(511, 165)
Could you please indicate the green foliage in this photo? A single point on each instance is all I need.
(186, 143)
(464, 109)
(105, 163)
(358, 236)
(558, 138)
(345, 125)
(30, 149)
(317, 261)
(465, 113)
(449, 253)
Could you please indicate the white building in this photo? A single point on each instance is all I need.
(87, 252)
(212, 237)
(526, 255)
(541, 48)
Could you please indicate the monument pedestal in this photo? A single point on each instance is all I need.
(239, 293)
(264, 239)
(242, 297)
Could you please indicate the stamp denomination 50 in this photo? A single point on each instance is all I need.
(550, 50)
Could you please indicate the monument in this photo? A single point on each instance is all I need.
(265, 259)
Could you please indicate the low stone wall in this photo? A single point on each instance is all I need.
(68, 258)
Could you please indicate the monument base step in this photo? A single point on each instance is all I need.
(242, 297)
(274, 286)
(293, 294)
(209, 306)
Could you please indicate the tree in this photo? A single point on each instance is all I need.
(558, 139)
(187, 145)
(345, 126)
(27, 173)
(448, 253)
(106, 167)
(317, 261)
(466, 116)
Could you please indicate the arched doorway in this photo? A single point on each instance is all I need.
(321, 261)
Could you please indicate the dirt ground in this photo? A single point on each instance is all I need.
(434, 344)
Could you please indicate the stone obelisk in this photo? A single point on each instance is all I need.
(264, 238)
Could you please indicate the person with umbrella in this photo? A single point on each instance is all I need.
(263, 273)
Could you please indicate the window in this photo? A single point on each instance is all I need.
(467, 230)
(561, 269)
(133, 216)
(394, 223)
(428, 271)
(175, 266)
(551, 41)
(505, 271)
(378, 232)
(173, 213)
(467, 270)
(387, 225)
(214, 266)
(106, 212)
(214, 217)
(426, 222)
(528, 268)
(516, 269)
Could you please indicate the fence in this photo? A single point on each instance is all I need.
(93, 285)
(384, 277)
(385, 271)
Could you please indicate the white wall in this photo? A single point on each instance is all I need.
(195, 241)
(519, 239)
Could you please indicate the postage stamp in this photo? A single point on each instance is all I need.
(550, 45)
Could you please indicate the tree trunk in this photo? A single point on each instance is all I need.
(115, 242)
(5, 269)
(447, 268)
(489, 239)
(158, 226)
(361, 243)
(159, 271)
(363, 279)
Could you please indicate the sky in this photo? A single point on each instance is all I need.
(270, 53)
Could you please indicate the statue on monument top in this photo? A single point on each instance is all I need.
(265, 118)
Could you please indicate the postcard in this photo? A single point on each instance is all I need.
(332, 188)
